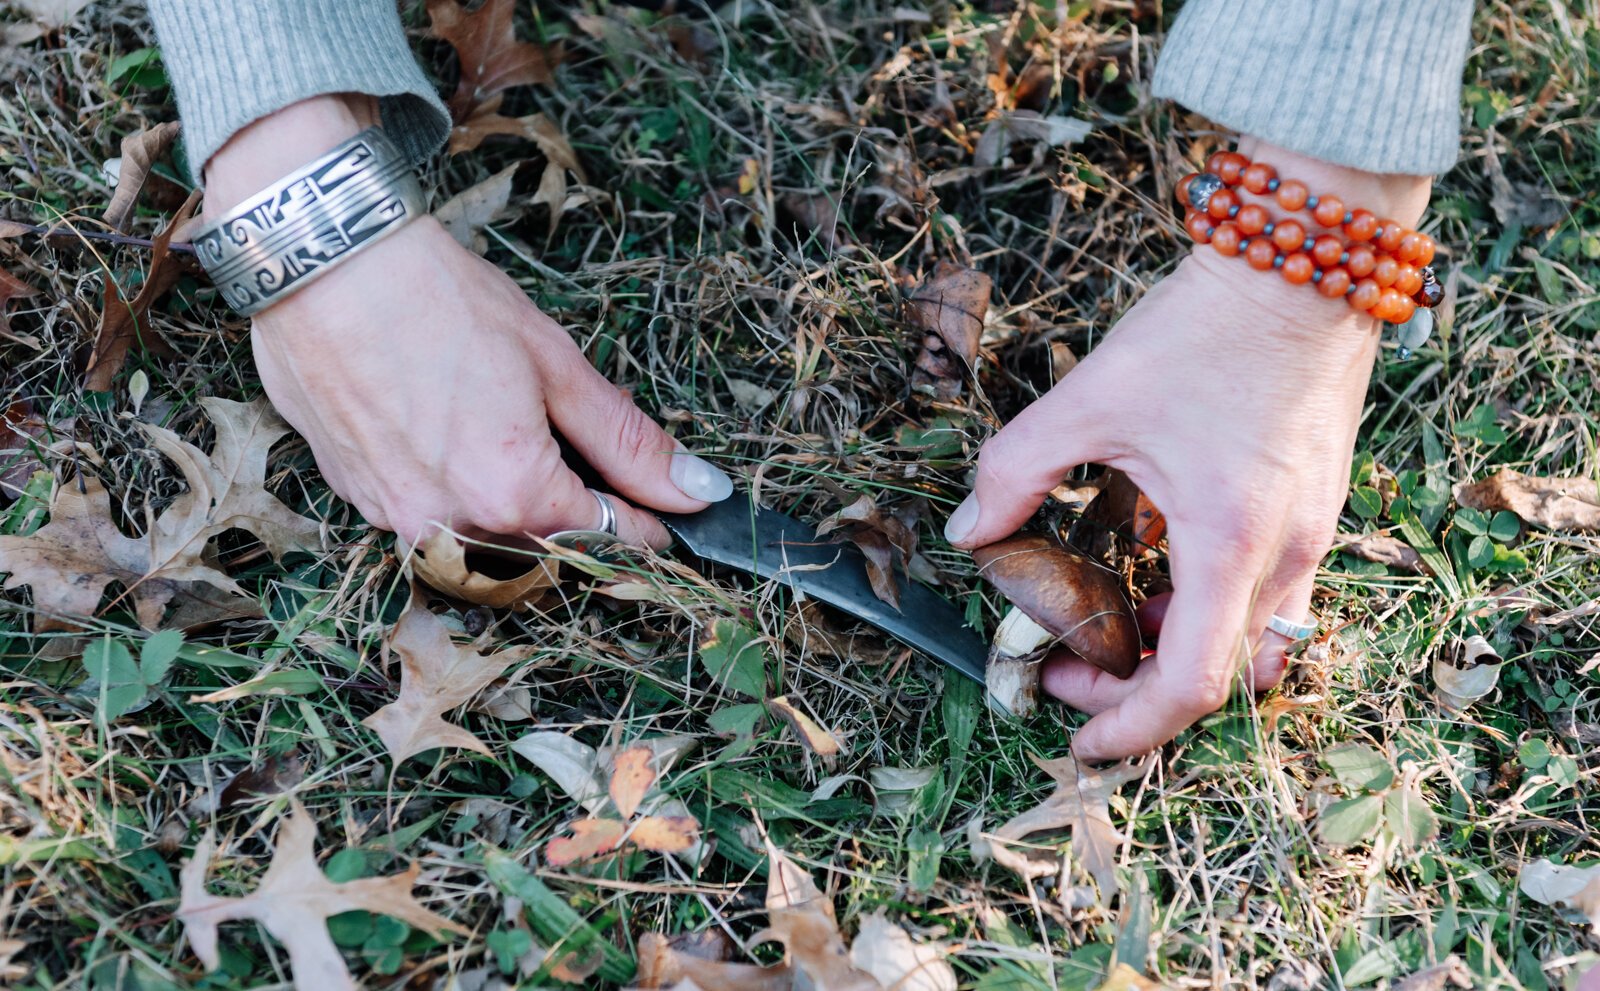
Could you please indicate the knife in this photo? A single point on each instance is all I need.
(741, 534)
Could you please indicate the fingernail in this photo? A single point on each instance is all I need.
(963, 520)
(698, 478)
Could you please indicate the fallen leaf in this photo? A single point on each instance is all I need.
(1052, 131)
(1451, 972)
(11, 288)
(572, 765)
(817, 215)
(662, 964)
(895, 960)
(591, 838)
(294, 901)
(440, 561)
(1565, 616)
(436, 676)
(277, 774)
(492, 59)
(1080, 804)
(124, 322)
(949, 306)
(52, 14)
(227, 489)
(1124, 978)
(1576, 889)
(1553, 503)
(1476, 675)
(816, 739)
(631, 777)
(467, 213)
(24, 437)
(664, 834)
(1383, 549)
(69, 562)
(140, 151)
(887, 540)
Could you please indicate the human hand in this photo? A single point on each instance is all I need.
(1232, 399)
(427, 383)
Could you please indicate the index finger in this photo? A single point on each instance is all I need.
(1201, 646)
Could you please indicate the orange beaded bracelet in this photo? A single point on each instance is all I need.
(1384, 269)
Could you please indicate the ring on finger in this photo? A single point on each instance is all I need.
(1295, 632)
(608, 513)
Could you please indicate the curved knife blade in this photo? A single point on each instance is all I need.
(741, 534)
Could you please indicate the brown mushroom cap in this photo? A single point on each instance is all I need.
(1068, 594)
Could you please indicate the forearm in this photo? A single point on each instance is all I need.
(233, 62)
(1375, 86)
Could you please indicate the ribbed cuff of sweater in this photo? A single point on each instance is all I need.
(235, 61)
(1374, 86)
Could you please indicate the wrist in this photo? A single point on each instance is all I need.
(1394, 196)
(270, 148)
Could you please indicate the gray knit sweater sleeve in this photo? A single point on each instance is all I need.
(233, 61)
(1372, 84)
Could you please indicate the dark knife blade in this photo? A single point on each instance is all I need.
(740, 534)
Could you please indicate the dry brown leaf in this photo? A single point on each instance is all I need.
(949, 306)
(1081, 805)
(1553, 503)
(664, 834)
(816, 739)
(436, 676)
(1576, 889)
(293, 903)
(663, 963)
(887, 540)
(1383, 549)
(492, 59)
(277, 774)
(440, 560)
(1124, 978)
(24, 437)
(123, 322)
(631, 777)
(1452, 973)
(11, 288)
(140, 151)
(69, 562)
(591, 838)
(467, 213)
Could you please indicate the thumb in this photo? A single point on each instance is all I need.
(1018, 466)
(629, 450)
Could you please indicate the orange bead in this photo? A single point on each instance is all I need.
(1409, 280)
(1425, 251)
(1222, 201)
(1362, 225)
(1410, 246)
(1297, 268)
(1327, 250)
(1229, 167)
(1389, 237)
(1403, 310)
(1388, 306)
(1252, 219)
(1260, 253)
(1292, 194)
(1361, 261)
(1199, 227)
(1329, 211)
(1366, 295)
(1385, 271)
(1257, 176)
(1182, 192)
(1334, 283)
(1226, 239)
(1288, 235)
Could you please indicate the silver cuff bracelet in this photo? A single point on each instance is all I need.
(301, 226)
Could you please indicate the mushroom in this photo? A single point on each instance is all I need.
(1057, 595)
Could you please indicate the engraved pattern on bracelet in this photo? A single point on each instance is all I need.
(306, 223)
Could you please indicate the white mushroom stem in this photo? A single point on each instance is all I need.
(1014, 658)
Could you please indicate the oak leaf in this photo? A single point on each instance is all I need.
(436, 676)
(140, 151)
(1081, 805)
(492, 59)
(882, 957)
(293, 903)
(440, 561)
(1553, 503)
(949, 307)
(124, 322)
(467, 213)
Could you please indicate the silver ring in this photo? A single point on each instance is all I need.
(1289, 628)
(608, 513)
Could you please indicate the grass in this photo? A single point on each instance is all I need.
(731, 320)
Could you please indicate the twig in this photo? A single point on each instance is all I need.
(127, 240)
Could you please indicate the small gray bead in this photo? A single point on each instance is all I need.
(1309, 242)
(1272, 185)
(1267, 230)
(1344, 256)
(1277, 261)
(1311, 203)
(1202, 187)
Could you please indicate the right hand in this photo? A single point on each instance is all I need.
(427, 383)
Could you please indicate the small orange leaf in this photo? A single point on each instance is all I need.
(631, 777)
(664, 834)
(591, 838)
(816, 739)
